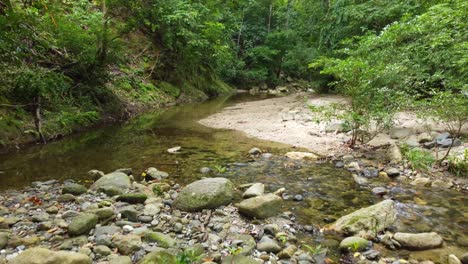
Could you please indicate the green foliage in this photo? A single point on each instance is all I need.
(314, 250)
(419, 159)
(220, 168)
(188, 257)
(458, 165)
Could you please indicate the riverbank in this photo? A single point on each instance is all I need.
(18, 128)
(289, 120)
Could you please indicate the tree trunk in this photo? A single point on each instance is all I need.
(269, 18)
(104, 45)
(38, 119)
(239, 35)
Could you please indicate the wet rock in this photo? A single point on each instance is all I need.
(155, 174)
(255, 151)
(102, 250)
(127, 244)
(74, 188)
(95, 174)
(3, 240)
(354, 244)
(66, 198)
(205, 170)
(256, 189)
(116, 259)
(271, 229)
(447, 184)
(370, 172)
(371, 254)
(245, 243)
(464, 258)
(452, 259)
(163, 240)
(339, 164)
(40, 217)
(261, 207)
(268, 245)
(419, 241)
(369, 221)
(205, 194)
(298, 198)
(104, 234)
(82, 224)
(132, 198)
(359, 179)
(174, 150)
(130, 213)
(15, 241)
(301, 155)
(379, 191)
(159, 257)
(45, 256)
(400, 132)
(118, 181)
(288, 252)
(102, 213)
(421, 181)
(392, 172)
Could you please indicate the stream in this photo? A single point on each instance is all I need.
(328, 192)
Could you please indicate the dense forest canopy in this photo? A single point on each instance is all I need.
(72, 61)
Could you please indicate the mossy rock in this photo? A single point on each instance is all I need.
(354, 244)
(74, 188)
(159, 257)
(132, 198)
(82, 224)
(163, 240)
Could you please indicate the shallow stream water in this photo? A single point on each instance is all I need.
(328, 192)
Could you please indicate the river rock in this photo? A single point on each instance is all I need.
(255, 151)
(103, 234)
(118, 181)
(288, 252)
(301, 155)
(132, 198)
(102, 250)
(208, 193)
(102, 213)
(354, 244)
(380, 140)
(256, 189)
(400, 132)
(66, 198)
(419, 241)
(155, 174)
(447, 184)
(45, 256)
(367, 222)
(116, 259)
(268, 245)
(3, 240)
(159, 257)
(82, 224)
(261, 207)
(127, 244)
(452, 259)
(130, 213)
(392, 172)
(74, 188)
(239, 259)
(379, 191)
(421, 181)
(246, 243)
(464, 258)
(163, 240)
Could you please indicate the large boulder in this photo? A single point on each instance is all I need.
(369, 221)
(118, 181)
(419, 241)
(45, 256)
(82, 224)
(261, 207)
(205, 194)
